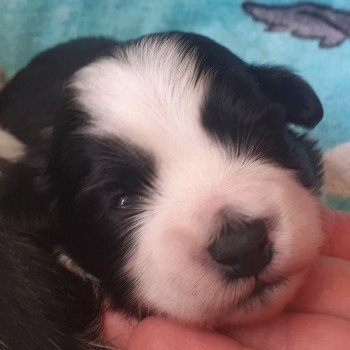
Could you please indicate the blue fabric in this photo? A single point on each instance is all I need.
(30, 26)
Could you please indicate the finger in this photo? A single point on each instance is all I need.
(159, 334)
(336, 226)
(326, 290)
(297, 331)
(116, 329)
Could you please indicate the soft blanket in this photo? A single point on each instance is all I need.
(312, 38)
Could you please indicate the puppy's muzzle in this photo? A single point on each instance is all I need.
(242, 248)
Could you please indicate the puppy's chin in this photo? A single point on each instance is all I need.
(261, 301)
(265, 302)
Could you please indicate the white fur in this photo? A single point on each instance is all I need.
(151, 100)
(73, 267)
(10, 147)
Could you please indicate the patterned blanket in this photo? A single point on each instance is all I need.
(312, 38)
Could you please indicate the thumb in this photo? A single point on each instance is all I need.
(158, 334)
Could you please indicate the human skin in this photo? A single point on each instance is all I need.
(318, 318)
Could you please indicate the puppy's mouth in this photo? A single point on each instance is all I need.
(262, 294)
(262, 287)
(262, 290)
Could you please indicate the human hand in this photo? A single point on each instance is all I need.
(319, 318)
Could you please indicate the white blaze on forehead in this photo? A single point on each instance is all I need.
(149, 96)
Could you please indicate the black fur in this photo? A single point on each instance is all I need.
(65, 193)
(107, 170)
(3, 164)
(31, 99)
(43, 306)
(301, 105)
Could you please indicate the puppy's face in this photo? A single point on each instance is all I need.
(182, 188)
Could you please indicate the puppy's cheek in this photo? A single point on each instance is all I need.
(299, 238)
(176, 280)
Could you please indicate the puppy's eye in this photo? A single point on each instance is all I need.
(126, 201)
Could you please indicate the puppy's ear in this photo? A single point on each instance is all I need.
(25, 192)
(302, 106)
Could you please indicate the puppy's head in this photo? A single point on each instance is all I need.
(182, 187)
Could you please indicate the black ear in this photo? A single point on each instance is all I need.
(302, 106)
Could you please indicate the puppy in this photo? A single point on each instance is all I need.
(173, 183)
(2, 78)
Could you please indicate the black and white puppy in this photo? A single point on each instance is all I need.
(173, 183)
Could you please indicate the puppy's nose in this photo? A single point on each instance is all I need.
(242, 248)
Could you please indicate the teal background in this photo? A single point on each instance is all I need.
(30, 26)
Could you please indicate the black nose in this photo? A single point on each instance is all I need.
(242, 248)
